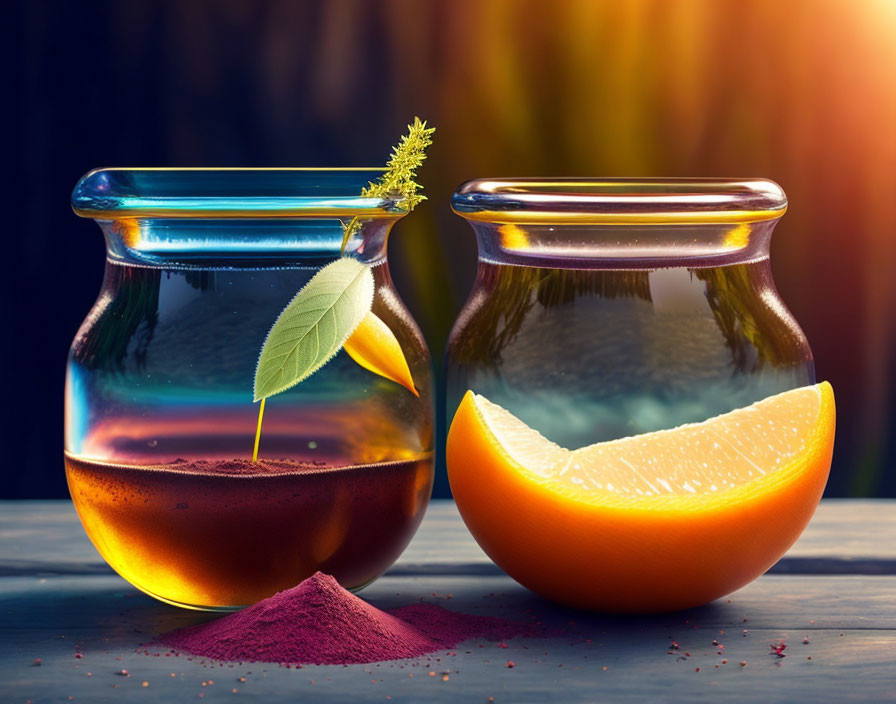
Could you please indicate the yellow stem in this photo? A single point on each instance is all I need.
(258, 431)
(347, 232)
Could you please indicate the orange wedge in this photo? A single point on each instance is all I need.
(654, 522)
(374, 347)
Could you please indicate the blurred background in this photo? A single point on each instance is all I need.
(802, 92)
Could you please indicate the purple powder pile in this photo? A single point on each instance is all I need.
(318, 622)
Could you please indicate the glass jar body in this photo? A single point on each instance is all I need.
(591, 354)
(160, 419)
(602, 377)
(608, 308)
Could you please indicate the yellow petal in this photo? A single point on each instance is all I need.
(374, 347)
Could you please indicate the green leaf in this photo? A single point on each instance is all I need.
(314, 326)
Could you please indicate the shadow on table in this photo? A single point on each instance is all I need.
(495, 595)
(105, 607)
(118, 616)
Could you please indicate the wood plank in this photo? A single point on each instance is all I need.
(794, 602)
(57, 593)
(861, 672)
(852, 646)
(856, 536)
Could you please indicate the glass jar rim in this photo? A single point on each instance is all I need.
(620, 201)
(238, 192)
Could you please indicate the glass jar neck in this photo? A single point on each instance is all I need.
(236, 217)
(582, 246)
(242, 243)
(621, 222)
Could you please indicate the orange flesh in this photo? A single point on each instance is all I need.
(654, 522)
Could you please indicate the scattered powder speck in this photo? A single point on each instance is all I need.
(777, 649)
(318, 622)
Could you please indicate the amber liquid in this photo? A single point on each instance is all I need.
(220, 541)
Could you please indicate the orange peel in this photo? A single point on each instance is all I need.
(653, 522)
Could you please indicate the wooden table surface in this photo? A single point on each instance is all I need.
(836, 587)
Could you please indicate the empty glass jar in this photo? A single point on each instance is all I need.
(608, 308)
